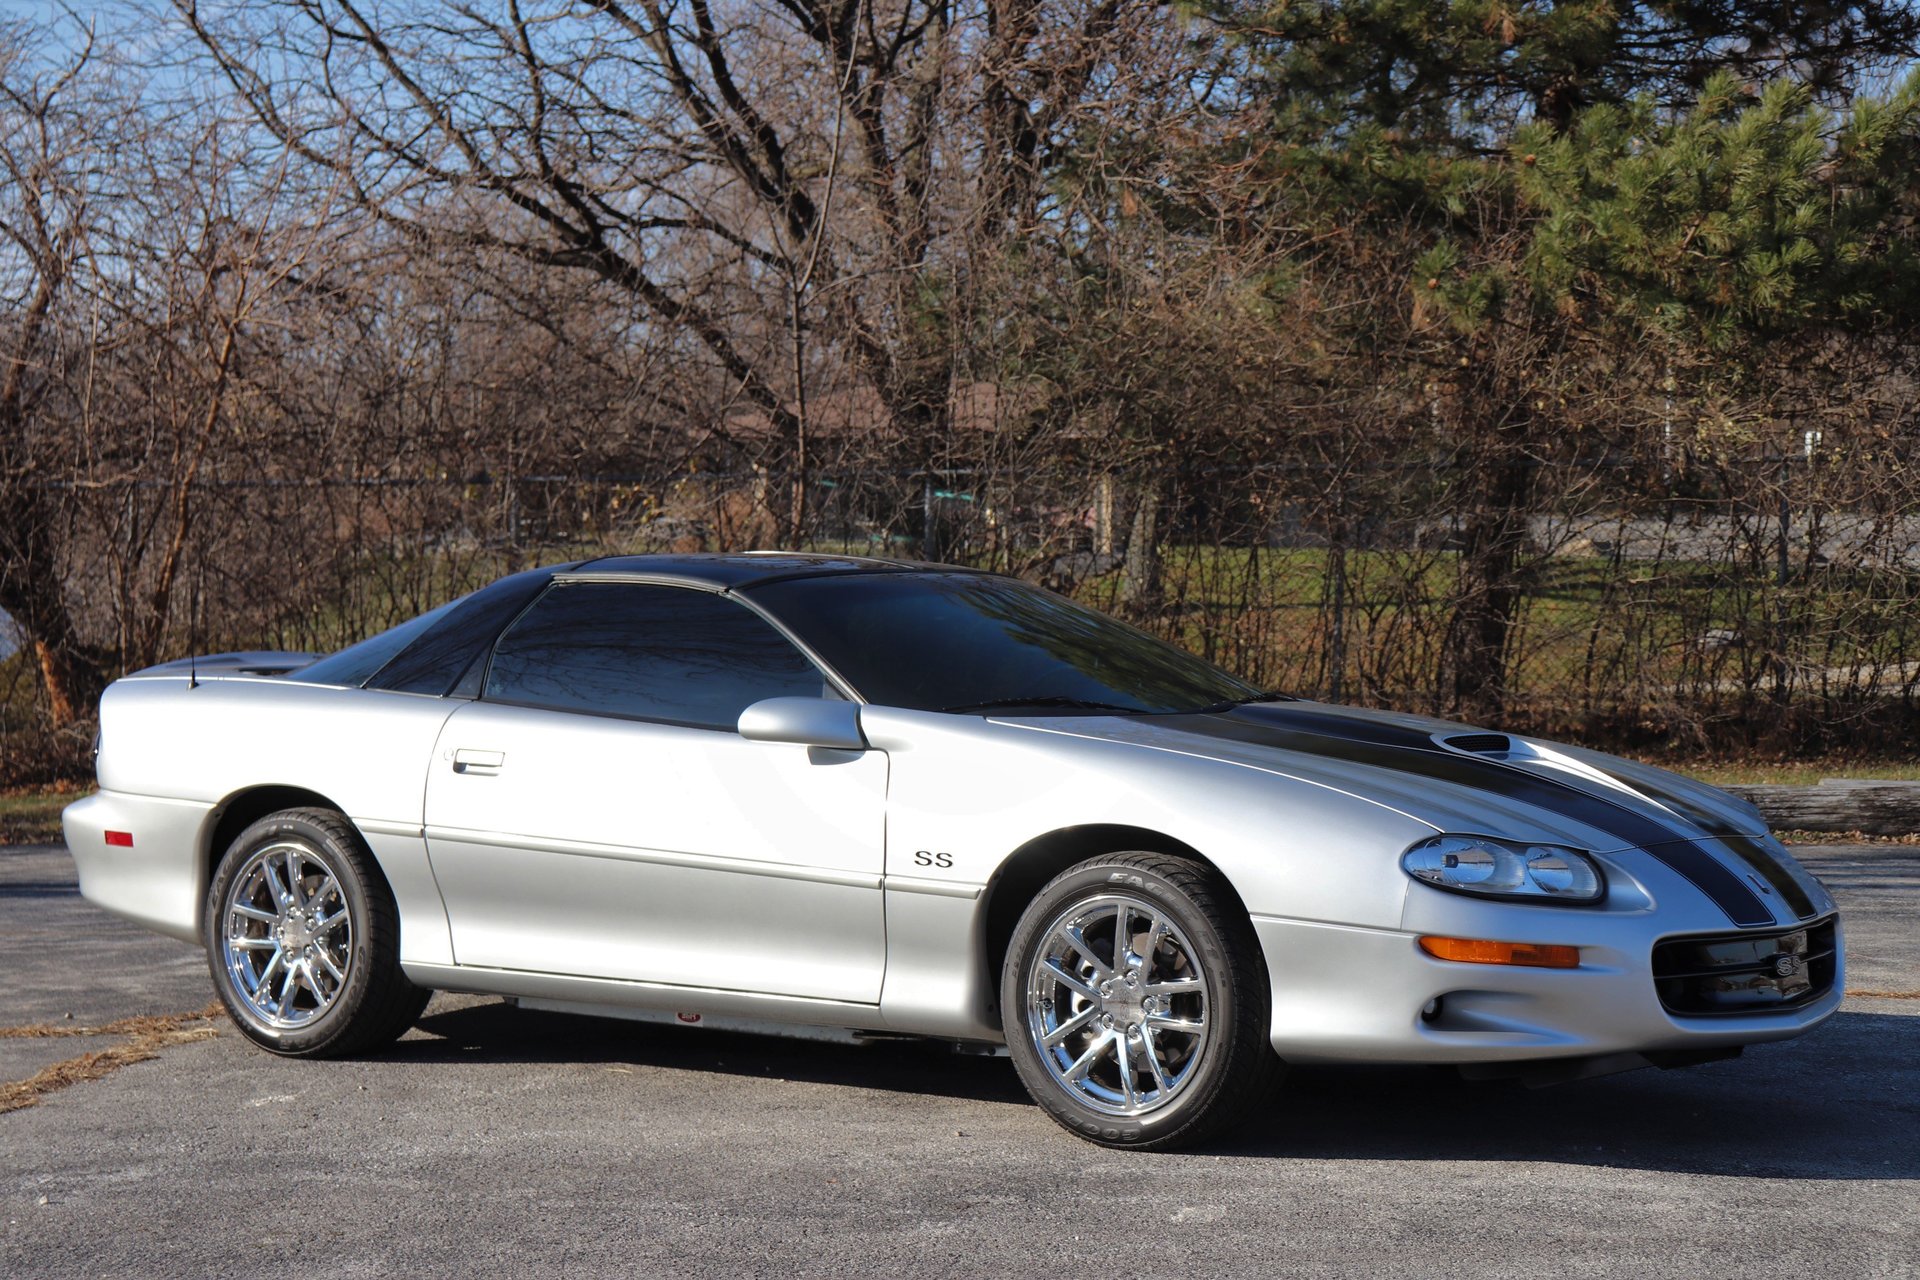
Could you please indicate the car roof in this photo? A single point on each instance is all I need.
(732, 570)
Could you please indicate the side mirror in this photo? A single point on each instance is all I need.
(810, 722)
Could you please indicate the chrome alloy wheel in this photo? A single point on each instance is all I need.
(1117, 1005)
(286, 936)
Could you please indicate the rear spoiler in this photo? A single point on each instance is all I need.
(253, 663)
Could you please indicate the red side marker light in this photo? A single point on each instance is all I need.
(120, 839)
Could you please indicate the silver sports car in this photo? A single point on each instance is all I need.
(847, 796)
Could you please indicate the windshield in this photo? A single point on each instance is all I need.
(965, 642)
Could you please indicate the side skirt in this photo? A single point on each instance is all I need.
(744, 1026)
(797, 1017)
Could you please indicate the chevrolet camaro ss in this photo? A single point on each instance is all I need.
(772, 790)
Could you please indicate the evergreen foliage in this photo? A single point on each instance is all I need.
(1557, 185)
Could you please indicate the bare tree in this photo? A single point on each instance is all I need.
(49, 140)
(691, 152)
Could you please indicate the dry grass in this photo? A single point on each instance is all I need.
(1845, 837)
(149, 1034)
(1865, 994)
(139, 1025)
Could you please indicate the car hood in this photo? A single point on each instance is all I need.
(1470, 781)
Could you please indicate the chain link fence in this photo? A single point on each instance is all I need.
(1766, 609)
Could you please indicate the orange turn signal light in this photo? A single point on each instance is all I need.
(1533, 955)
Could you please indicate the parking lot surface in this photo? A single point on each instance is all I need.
(499, 1141)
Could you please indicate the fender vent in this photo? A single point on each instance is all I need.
(1480, 743)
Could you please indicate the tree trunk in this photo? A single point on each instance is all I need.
(30, 591)
(1140, 575)
(29, 563)
(1496, 535)
(73, 684)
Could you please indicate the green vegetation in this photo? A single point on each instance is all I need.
(17, 692)
(1594, 633)
(1792, 773)
(33, 817)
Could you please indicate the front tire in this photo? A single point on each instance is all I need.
(303, 939)
(1135, 1004)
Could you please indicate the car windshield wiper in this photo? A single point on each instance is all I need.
(1039, 700)
(1231, 703)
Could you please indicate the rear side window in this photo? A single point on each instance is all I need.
(646, 652)
(436, 660)
(351, 666)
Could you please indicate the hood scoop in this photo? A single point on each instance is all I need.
(1479, 744)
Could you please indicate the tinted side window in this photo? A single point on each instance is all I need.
(351, 666)
(440, 656)
(654, 653)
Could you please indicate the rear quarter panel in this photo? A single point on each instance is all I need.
(366, 752)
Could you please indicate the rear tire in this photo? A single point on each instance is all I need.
(303, 939)
(1135, 1003)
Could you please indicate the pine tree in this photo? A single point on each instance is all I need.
(1566, 177)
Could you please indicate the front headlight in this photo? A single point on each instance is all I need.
(1499, 869)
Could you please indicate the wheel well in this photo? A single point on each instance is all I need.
(1029, 868)
(241, 810)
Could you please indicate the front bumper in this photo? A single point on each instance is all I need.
(157, 881)
(1346, 994)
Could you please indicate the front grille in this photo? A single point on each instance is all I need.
(1746, 972)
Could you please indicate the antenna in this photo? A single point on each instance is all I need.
(193, 636)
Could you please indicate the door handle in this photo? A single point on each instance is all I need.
(468, 760)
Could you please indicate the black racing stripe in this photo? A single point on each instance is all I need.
(1784, 882)
(1700, 816)
(1402, 750)
(1350, 728)
(1739, 843)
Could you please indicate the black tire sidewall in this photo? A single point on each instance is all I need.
(348, 869)
(1227, 1005)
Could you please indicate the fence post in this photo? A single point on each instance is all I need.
(1140, 573)
(928, 550)
(1337, 627)
(1103, 514)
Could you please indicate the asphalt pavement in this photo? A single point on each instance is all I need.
(496, 1141)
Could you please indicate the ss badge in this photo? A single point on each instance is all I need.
(925, 858)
